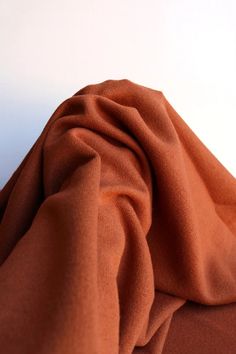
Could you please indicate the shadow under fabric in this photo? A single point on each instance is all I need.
(118, 233)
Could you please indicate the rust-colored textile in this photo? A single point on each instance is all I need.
(118, 233)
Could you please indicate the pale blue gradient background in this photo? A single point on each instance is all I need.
(51, 49)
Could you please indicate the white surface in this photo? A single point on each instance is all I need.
(50, 49)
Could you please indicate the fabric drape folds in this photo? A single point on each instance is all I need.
(118, 233)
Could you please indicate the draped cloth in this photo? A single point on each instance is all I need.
(118, 233)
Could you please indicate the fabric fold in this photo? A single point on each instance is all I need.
(117, 217)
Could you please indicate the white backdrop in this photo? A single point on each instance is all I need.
(52, 48)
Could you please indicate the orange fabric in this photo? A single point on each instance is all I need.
(118, 233)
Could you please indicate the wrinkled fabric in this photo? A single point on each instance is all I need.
(118, 233)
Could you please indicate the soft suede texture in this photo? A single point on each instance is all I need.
(118, 233)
